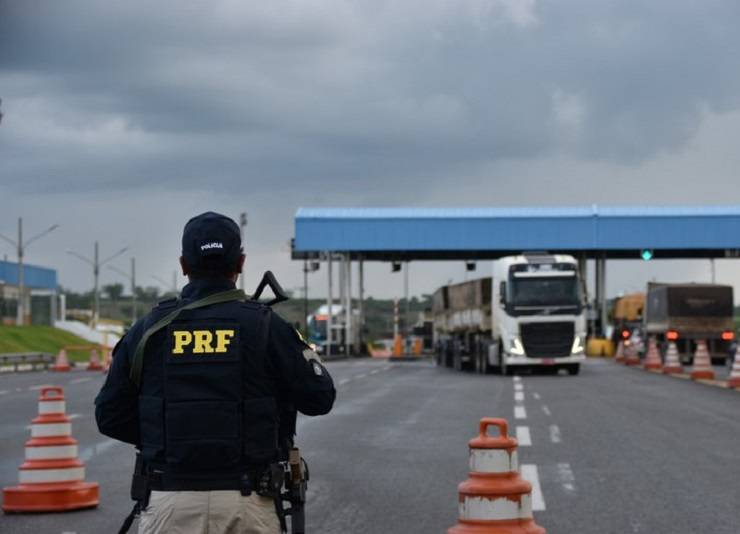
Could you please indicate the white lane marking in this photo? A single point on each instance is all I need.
(519, 396)
(375, 371)
(37, 387)
(520, 412)
(3, 391)
(360, 376)
(99, 448)
(530, 474)
(546, 410)
(344, 381)
(523, 436)
(80, 380)
(555, 433)
(518, 386)
(517, 379)
(536, 396)
(386, 367)
(74, 416)
(567, 478)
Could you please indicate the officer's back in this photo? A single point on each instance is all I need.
(211, 394)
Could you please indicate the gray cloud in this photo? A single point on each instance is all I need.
(112, 108)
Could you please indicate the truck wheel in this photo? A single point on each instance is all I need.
(573, 369)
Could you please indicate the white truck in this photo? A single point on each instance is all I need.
(529, 313)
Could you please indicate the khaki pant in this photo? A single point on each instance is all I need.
(208, 512)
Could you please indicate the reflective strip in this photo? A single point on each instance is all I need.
(493, 461)
(33, 476)
(49, 430)
(482, 509)
(51, 453)
(52, 407)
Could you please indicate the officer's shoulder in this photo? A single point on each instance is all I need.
(167, 303)
(285, 331)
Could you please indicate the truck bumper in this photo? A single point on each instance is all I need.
(524, 360)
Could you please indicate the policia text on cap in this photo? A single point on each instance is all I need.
(207, 386)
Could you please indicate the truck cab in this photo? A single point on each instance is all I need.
(538, 316)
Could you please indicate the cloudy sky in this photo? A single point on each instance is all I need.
(123, 119)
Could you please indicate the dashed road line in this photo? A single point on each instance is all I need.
(536, 396)
(517, 379)
(523, 436)
(80, 380)
(530, 474)
(546, 410)
(361, 376)
(375, 371)
(343, 381)
(555, 434)
(518, 386)
(519, 396)
(520, 412)
(4, 391)
(567, 478)
(37, 387)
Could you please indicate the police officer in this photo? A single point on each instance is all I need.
(207, 386)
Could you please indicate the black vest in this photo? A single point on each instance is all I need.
(207, 407)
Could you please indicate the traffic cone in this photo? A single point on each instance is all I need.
(672, 361)
(734, 380)
(630, 355)
(52, 477)
(62, 363)
(494, 499)
(108, 360)
(619, 356)
(702, 368)
(94, 364)
(652, 358)
(398, 346)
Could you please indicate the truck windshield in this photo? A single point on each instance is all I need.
(544, 292)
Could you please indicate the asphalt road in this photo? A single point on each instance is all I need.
(613, 450)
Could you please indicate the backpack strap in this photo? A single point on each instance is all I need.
(217, 298)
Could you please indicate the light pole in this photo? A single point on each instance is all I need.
(96, 264)
(132, 278)
(242, 228)
(21, 248)
(308, 267)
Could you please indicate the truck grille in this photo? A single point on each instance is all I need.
(547, 340)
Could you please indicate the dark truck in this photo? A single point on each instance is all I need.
(686, 313)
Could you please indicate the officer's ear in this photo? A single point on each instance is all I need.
(184, 265)
(240, 263)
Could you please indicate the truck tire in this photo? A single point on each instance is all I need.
(573, 368)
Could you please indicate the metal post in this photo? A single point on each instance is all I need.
(348, 330)
(21, 319)
(601, 304)
(406, 329)
(305, 297)
(133, 291)
(360, 306)
(53, 307)
(711, 264)
(96, 301)
(63, 307)
(329, 299)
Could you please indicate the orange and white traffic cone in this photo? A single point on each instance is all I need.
(495, 499)
(734, 380)
(94, 364)
(62, 363)
(672, 361)
(52, 478)
(619, 355)
(630, 354)
(652, 358)
(702, 368)
(108, 361)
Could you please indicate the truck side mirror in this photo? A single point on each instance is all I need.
(502, 294)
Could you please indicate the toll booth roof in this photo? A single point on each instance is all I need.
(479, 233)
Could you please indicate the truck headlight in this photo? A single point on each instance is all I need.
(516, 348)
(577, 346)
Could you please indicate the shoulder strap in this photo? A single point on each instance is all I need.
(216, 298)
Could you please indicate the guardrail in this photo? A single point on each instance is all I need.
(27, 361)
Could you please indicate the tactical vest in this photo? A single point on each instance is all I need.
(207, 407)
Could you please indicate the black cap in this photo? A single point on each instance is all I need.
(211, 240)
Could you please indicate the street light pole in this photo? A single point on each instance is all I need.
(132, 279)
(96, 264)
(20, 247)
